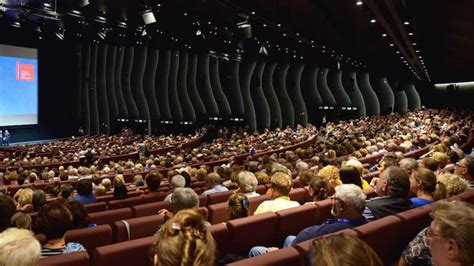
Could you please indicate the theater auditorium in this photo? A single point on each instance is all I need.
(236, 132)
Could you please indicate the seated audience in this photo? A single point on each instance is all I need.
(465, 168)
(38, 199)
(319, 189)
(213, 182)
(80, 217)
(177, 181)
(348, 204)
(331, 173)
(100, 190)
(7, 209)
(408, 165)
(350, 175)
(66, 191)
(360, 168)
(279, 191)
(238, 206)
(248, 184)
(84, 192)
(423, 185)
(107, 184)
(24, 198)
(342, 249)
(53, 221)
(153, 181)
(392, 190)
(185, 240)
(120, 190)
(19, 247)
(21, 220)
(450, 185)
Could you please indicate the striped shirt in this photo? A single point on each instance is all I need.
(68, 248)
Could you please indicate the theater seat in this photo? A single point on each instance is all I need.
(124, 203)
(95, 207)
(414, 220)
(150, 208)
(252, 231)
(299, 194)
(261, 189)
(203, 201)
(137, 228)
(324, 210)
(219, 197)
(255, 201)
(220, 233)
(218, 213)
(467, 196)
(133, 252)
(109, 217)
(155, 197)
(91, 237)
(281, 257)
(71, 259)
(291, 221)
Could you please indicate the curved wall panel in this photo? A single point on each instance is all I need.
(385, 95)
(198, 104)
(95, 123)
(234, 92)
(110, 81)
(372, 105)
(133, 112)
(335, 85)
(293, 85)
(222, 103)
(349, 82)
(161, 83)
(204, 86)
(246, 76)
(85, 115)
(413, 97)
(149, 83)
(138, 71)
(270, 95)
(262, 109)
(401, 102)
(309, 86)
(287, 110)
(102, 90)
(122, 107)
(186, 105)
(175, 105)
(326, 94)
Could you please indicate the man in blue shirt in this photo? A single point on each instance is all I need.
(84, 192)
(348, 204)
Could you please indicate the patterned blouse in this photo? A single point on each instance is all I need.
(417, 251)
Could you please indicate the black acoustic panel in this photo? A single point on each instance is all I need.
(372, 105)
(246, 72)
(149, 83)
(102, 89)
(185, 101)
(270, 95)
(161, 83)
(198, 104)
(138, 72)
(175, 105)
(262, 109)
(233, 91)
(349, 81)
(324, 91)
(110, 82)
(222, 103)
(204, 86)
(337, 89)
(293, 85)
(309, 88)
(94, 114)
(122, 106)
(287, 110)
(85, 110)
(132, 108)
(413, 97)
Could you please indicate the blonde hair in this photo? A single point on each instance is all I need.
(331, 173)
(185, 240)
(441, 158)
(281, 183)
(342, 249)
(262, 178)
(21, 220)
(119, 178)
(24, 196)
(456, 220)
(100, 190)
(450, 185)
(356, 164)
(18, 247)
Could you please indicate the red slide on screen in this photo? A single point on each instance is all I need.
(25, 72)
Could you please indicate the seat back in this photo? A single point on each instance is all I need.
(125, 203)
(467, 196)
(218, 213)
(291, 221)
(255, 201)
(203, 201)
(221, 235)
(261, 189)
(218, 197)
(137, 228)
(136, 252)
(324, 210)
(154, 197)
(91, 237)
(70, 259)
(299, 194)
(281, 257)
(150, 208)
(251, 231)
(109, 217)
(95, 207)
(414, 220)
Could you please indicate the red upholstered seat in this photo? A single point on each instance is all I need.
(91, 237)
(95, 207)
(281, 257)
(255, 201)
(139, 227)
(251, 231)
(220, 233)
(71, 259)
(218, 197)
(133, 252)
(105, 198)
(203, 201)
(299, 194)
(414, 220)
(124, 203)
(324, 210)
(150, 208)
(467, 196)
(218, 213)
(261, 189)
(154, 197)
(109, 217)
(41, 238)
(291, 221)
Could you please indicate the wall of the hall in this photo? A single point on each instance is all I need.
(144, 82)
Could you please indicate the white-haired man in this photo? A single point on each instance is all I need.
(248, 183)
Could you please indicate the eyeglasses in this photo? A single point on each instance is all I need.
(460, 165)
(335, 198)
(430, 233)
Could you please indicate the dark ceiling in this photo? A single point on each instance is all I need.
(429, 39)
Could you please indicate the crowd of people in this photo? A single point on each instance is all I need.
(333, 167)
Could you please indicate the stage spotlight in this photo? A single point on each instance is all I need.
(198, 33)
(263, 50)
(148, 17)
(245, 29)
